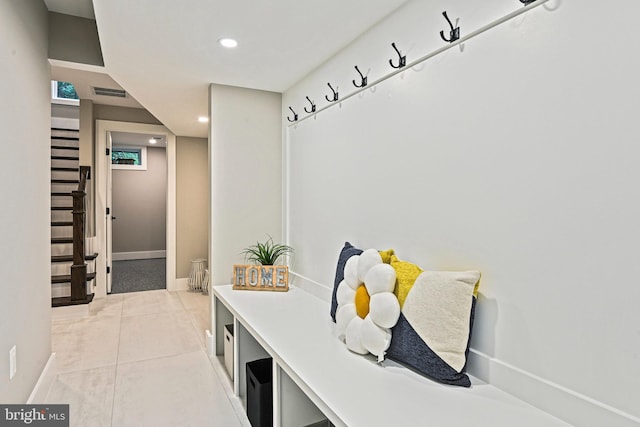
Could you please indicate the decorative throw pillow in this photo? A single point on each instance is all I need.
(407, 273)
(434, 328)
(347, 252)
(367, 306)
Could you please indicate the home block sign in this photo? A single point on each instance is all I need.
(261, 277)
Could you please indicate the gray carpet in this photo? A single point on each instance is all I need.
(138, 275)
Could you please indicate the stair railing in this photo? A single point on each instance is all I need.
(79, 267)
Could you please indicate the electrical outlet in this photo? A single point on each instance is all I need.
(12, 362)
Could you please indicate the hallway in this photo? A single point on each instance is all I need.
(139, 359)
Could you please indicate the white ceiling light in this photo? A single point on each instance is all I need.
(154, 139)
(203, 119)
(228, 43)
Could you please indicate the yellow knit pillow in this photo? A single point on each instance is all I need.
(406, 275)
(386, 255)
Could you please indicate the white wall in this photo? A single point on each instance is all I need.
(25, 283)
(245, 158)
(192, 202)
(65, 111)
(74, 39)
(515, 155)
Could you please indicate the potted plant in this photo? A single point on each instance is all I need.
(263, 274)
(266, 253)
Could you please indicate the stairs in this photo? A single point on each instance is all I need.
(65, 177)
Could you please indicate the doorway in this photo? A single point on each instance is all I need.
(138, 180)
(107, 133)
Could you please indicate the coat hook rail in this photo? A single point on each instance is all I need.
(402, 60)
(363, 79)
(313, 106)
(454, 33)
(295, 116)
(335, 94)
(472, 34)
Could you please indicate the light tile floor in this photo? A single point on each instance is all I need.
(140, 359)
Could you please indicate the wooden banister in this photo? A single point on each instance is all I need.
(85, 174)
(79, 267)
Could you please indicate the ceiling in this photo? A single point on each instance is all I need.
(84, 81)
(82, 8)
(137, 139)
(165, 54)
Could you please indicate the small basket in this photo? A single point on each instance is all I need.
(197, 274)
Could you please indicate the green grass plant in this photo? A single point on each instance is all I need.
(266, 253)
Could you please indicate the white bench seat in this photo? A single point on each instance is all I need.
(351, 390)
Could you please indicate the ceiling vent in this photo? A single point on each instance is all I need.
(119, 93)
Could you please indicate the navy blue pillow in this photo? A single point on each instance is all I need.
(410, 350)
(347, 252)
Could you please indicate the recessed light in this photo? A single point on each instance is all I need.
(203, 119)
(228, 43)
(152, 141)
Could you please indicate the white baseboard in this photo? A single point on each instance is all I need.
(181, 284)
(208, 338)
(48, 375)
(227, 385)
(125, 256)
(314, 288)
(559, 401)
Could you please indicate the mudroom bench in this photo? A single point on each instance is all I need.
(315, 377)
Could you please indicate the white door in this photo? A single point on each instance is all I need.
(109, 216)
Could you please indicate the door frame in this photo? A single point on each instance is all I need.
(102, 162)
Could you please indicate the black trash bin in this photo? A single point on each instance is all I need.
(260, 392)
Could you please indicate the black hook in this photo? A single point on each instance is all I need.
(401, 62)
(363, 83)
(313, 106)
(454, 34)
(526, 2)
(295, 116)
(335, 94)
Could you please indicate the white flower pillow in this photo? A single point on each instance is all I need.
(367, 305)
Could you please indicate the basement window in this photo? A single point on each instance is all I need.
(64, 93)
(132, 158)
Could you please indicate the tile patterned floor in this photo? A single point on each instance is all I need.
(139, 359)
